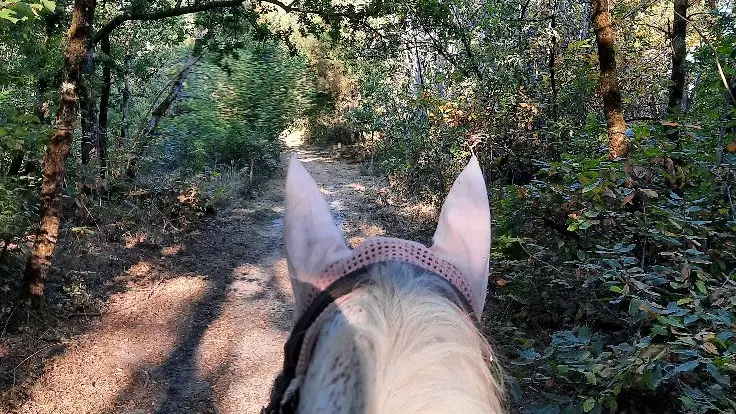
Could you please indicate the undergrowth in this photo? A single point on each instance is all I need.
(620, 292)
(150, 214)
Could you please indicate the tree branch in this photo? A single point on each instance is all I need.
(220, 4)
(527, 20)
(446, 54)
(163, 14)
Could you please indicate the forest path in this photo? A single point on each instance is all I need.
(200, 327)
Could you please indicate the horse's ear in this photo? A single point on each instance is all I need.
(463, 235)
(311, 237)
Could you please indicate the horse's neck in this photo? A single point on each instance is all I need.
(392, 352)
(334, 380)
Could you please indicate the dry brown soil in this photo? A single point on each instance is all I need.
(199, 326)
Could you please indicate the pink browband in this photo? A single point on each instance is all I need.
(384, 249)
(372, 251)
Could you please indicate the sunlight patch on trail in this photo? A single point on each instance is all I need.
(204, 341)
(246, 340)
(137, 334)
(293, 138)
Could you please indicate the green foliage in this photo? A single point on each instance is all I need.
(328, 120)
(235, 112)
(17, 11)
(19, 134)
(651, 288)
(615, 282)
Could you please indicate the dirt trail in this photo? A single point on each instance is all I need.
(200, 327)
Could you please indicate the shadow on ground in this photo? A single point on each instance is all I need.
(199, 325)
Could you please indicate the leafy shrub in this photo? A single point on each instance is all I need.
(20, 137)
(226, 119)
(650, 287)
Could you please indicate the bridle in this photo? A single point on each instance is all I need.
(340, 279)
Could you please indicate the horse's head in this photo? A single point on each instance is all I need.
(386, 327)
(313, 241)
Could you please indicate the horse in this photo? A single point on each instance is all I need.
(392, 325)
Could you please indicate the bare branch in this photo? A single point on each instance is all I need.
(163, 14)
(197, 7)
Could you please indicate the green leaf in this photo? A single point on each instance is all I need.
(8, 14)
(585, 224)
(49, 5)
(670, 320)
(24, 10)
(690, 319)
(653, 377)
(581, 255)
(701, 287)
(529, 354)
(687, 366)
(588, 405)
(590, 187)
(634, 307)
(720, 378)
(613, 263)
(693, 252)
(616, 289)
(724, 335)
(584, 334)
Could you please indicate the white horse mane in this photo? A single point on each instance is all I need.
(400, 345)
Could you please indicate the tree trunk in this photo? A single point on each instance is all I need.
(125, 110)
(441, 64)
(727, 121)
(104, 103)
(677, 79)
(677, 84)
(88, 111)
(552, 61)
(419, 78)
(606, 40)
(157, 114)
(585, 20)
(75, 56)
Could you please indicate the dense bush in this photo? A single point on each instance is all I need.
(645, 283)
(235, 110)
